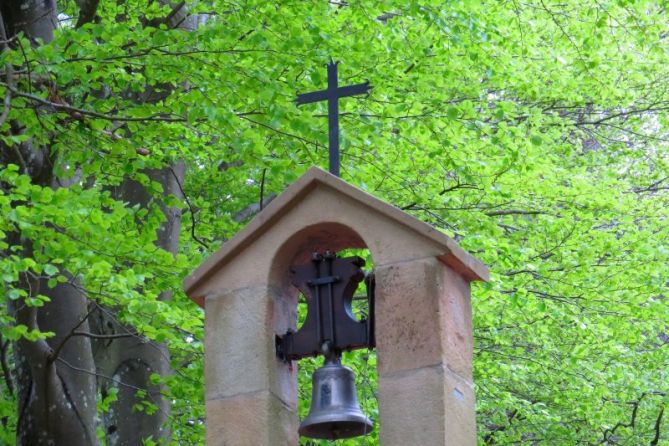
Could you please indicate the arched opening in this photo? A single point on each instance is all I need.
(297, 250)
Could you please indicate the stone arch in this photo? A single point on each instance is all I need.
(310, 238)
(297, 249)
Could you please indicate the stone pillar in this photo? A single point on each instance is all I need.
(424, 343)
(250, 395)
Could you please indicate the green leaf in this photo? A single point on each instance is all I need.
(50, 269)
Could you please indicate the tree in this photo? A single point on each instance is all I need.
(534, 133)
(55, 401)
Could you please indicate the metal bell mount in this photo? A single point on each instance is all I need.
(330, 328)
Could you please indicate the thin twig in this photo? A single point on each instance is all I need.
(54, 355)
(99, 375)
(175, 10)
(149, 393)
(82, 111)
(281, 132)
(105, 336)
(8, 94)
(512, 212)
(658, 423)
(190, 207)
(5, 366)
(262, 188)
(28, 70)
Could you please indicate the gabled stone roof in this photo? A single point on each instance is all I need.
(461, 261)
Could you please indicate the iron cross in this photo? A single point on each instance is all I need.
(332, 95)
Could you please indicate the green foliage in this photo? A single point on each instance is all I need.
(534, 133)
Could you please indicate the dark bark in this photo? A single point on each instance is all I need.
(132, 360)
(129, 363)
(87, 10)
(55, 378)
(36, 18)
(4, 364)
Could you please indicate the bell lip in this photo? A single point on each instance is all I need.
(365, 426)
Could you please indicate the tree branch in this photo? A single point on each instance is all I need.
(105, 336)
(54, 354)
(5, 366)
(98, 375)
(81, 111)
(280, 132)
(623, 114)
(489, 438)
(262, 189)
(513, 212)
(190, 208)
(608, 433)
(658, 423)
(253, 208)
(654, 187)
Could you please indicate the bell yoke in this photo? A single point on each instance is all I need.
(330, 328)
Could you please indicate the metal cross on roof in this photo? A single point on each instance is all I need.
(332, 95)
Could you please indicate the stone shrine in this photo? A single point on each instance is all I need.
(423, 321)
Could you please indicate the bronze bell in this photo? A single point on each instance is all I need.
(334, 411)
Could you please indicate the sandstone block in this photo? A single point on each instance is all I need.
(427, 406)
(455, 310)
(408, 333)
(423, 317)
(240, 355)
(256, 419)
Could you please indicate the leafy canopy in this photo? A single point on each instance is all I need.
(532, 132)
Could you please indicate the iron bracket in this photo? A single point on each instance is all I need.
(328, 284)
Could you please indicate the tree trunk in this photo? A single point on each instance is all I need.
(132, 360)
(36, 18)
(55, 378)
(57, 404)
